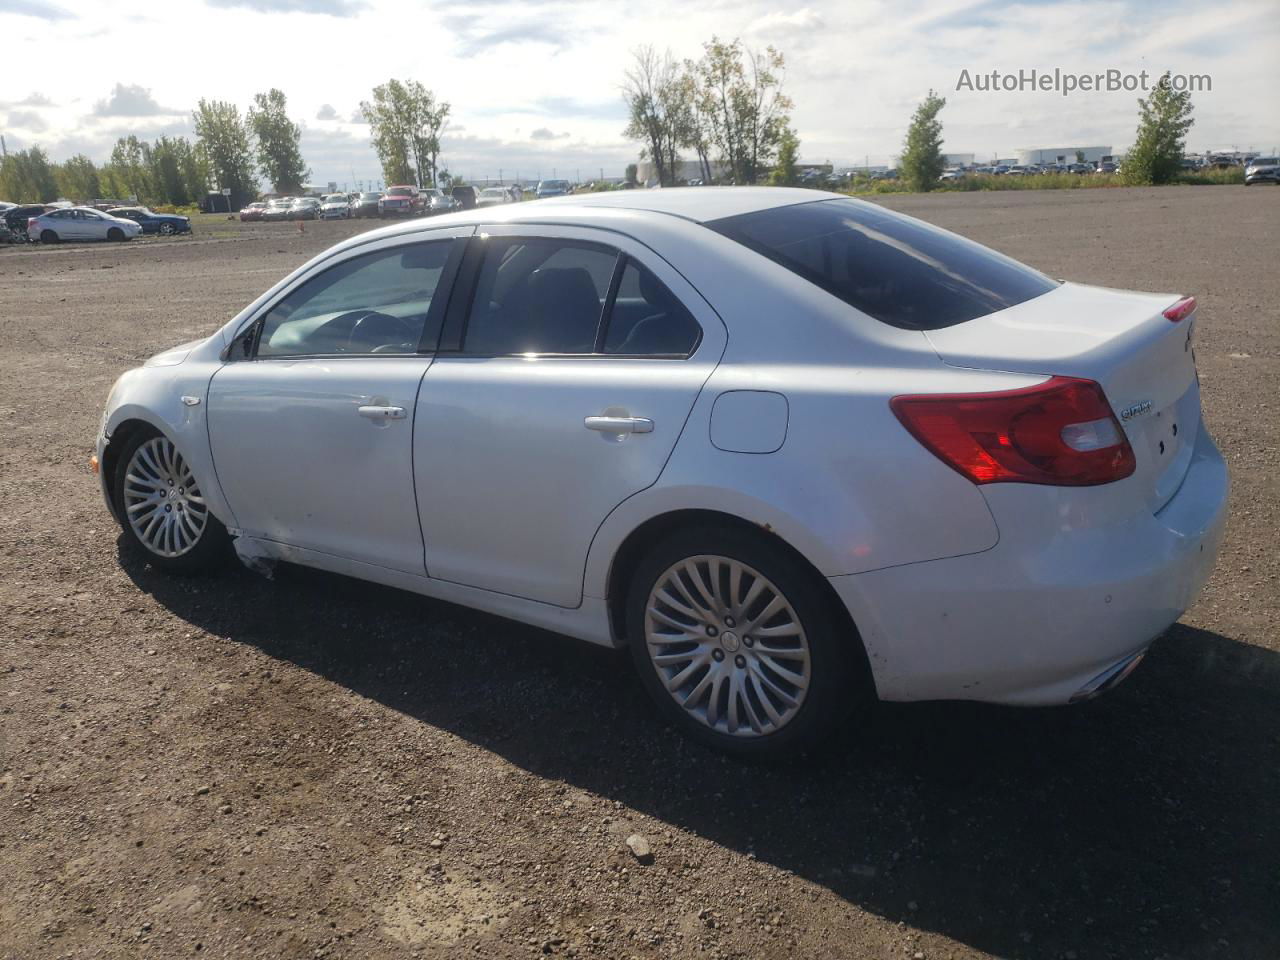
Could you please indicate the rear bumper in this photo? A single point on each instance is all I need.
(1048, 615)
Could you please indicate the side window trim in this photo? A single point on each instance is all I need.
(606, 315)
(252, 333)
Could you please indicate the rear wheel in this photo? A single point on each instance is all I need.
(738, 644)
(48, 236)
(167, 229)
(115, 234)
(162, 507)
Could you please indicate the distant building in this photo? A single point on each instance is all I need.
(1063, 155)
(685, 170)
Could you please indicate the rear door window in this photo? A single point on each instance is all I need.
(538, 296)
(896, 269)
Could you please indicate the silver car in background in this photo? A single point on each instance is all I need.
(80, 223)
(1262, 170)
(335, 206)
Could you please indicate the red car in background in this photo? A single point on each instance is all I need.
(252, 212)
(402, 201)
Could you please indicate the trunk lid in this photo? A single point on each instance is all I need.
(1119, 338)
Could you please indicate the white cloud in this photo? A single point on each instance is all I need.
(778, 24)
(131, 101)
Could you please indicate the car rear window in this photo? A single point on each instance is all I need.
(901, 271)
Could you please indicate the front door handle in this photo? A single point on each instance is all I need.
(619, 424)
(378, 412)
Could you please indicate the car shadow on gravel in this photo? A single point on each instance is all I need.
(1139, 825)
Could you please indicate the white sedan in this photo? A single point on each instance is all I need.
(80, 223)
(793, 450)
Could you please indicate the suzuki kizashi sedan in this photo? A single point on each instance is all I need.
(795, 451)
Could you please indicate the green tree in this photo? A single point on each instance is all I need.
(131, 163)
(78, 179)
(1079, 156)
(26, 176)
(657, 109)
(278, 140)
(740, 94)
(224, 137)
(405, 120)
(632, 172)
(1164, 118)
(785, 173)
(922, 161)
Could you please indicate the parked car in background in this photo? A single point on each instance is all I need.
(305, 208)
(1079, 168)
(16, 217)
(6, 206)
(492, 196)
(1262, 170)
(81, 223)
(1106, 166)
(365, 204)
(252, 212)
(1030, 497)
(955, 173)
(435, 201)
(464, 196)
(1018, 170)
(165, 224)
(402, 201)
(552, 188)
(277, 209)
(335, 206)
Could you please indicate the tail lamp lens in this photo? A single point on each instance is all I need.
(1061, 432)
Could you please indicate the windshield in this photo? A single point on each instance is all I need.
(493, 192)
(901, 271)
(370, 196)
(1264, 162)
(400, 192)
(336, 198)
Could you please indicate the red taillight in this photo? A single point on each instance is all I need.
(1181, 310)
(1061, 432)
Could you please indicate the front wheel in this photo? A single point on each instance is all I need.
(162, 507)
(166, 229)
(739, 645)
(115, 234)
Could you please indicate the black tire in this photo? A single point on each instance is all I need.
(840, 679)
(115, 234)
(48, 236)
(210, 551)
(167, 229)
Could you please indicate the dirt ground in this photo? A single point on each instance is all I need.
(316, 767)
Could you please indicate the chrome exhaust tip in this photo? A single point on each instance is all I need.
(1109, 677)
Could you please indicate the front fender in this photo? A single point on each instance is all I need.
(155, 396)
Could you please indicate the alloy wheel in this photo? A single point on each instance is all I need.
(727, 645)
(162, 501)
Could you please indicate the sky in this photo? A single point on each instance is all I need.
(535, 86)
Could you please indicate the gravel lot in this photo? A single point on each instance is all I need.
(318, 767)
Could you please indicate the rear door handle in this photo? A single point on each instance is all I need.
(619, 424)
(375, 412)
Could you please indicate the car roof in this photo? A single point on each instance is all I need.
(700, 204)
